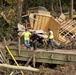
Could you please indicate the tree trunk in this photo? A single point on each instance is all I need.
(51, 3)
(1, 2)
(19, 10)
(25, 6)
(60, 6)
(71, 9)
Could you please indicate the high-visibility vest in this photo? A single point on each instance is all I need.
(51, 35)
(26, 35)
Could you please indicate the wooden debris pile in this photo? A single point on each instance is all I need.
(42, 21)
(64, 30)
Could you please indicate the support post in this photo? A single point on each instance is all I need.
(34, 59)
(19, 46)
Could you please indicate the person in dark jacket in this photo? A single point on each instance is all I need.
(34, 40)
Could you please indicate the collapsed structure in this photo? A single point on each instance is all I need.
(64, 30)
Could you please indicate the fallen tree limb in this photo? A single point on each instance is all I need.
(19, 67)
(4, 16)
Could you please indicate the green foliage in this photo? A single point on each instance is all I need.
(12, 16)
(11, 1)
(6, 29)
(36, 3)
(47, 4)
(3, 28)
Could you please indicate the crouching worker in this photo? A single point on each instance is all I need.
(26, 36)
(34, 37)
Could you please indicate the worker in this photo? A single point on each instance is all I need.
(26, 35)
(51, 37)
(34, 37)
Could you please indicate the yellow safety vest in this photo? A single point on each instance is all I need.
(51, 35)
(26, 35)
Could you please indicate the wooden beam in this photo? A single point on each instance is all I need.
(29, 61)
(36, 22)
(19, 67)
(19, 46)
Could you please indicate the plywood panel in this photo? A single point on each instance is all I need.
(36, 22)
(55, 27)
(43, 12)
(31, 16)
(52, 24)
(40, 23)
(61, 18)
(47, 23)
(43, 22)
(42, 19)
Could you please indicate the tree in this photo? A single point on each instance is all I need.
(71, 9)
(1, 2)
(19, 9)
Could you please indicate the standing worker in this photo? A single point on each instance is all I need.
(34, 40)
(26, 35)
(51, 37)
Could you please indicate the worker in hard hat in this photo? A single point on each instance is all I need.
(51, 37)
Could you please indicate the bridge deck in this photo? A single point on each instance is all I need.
(56, 56)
